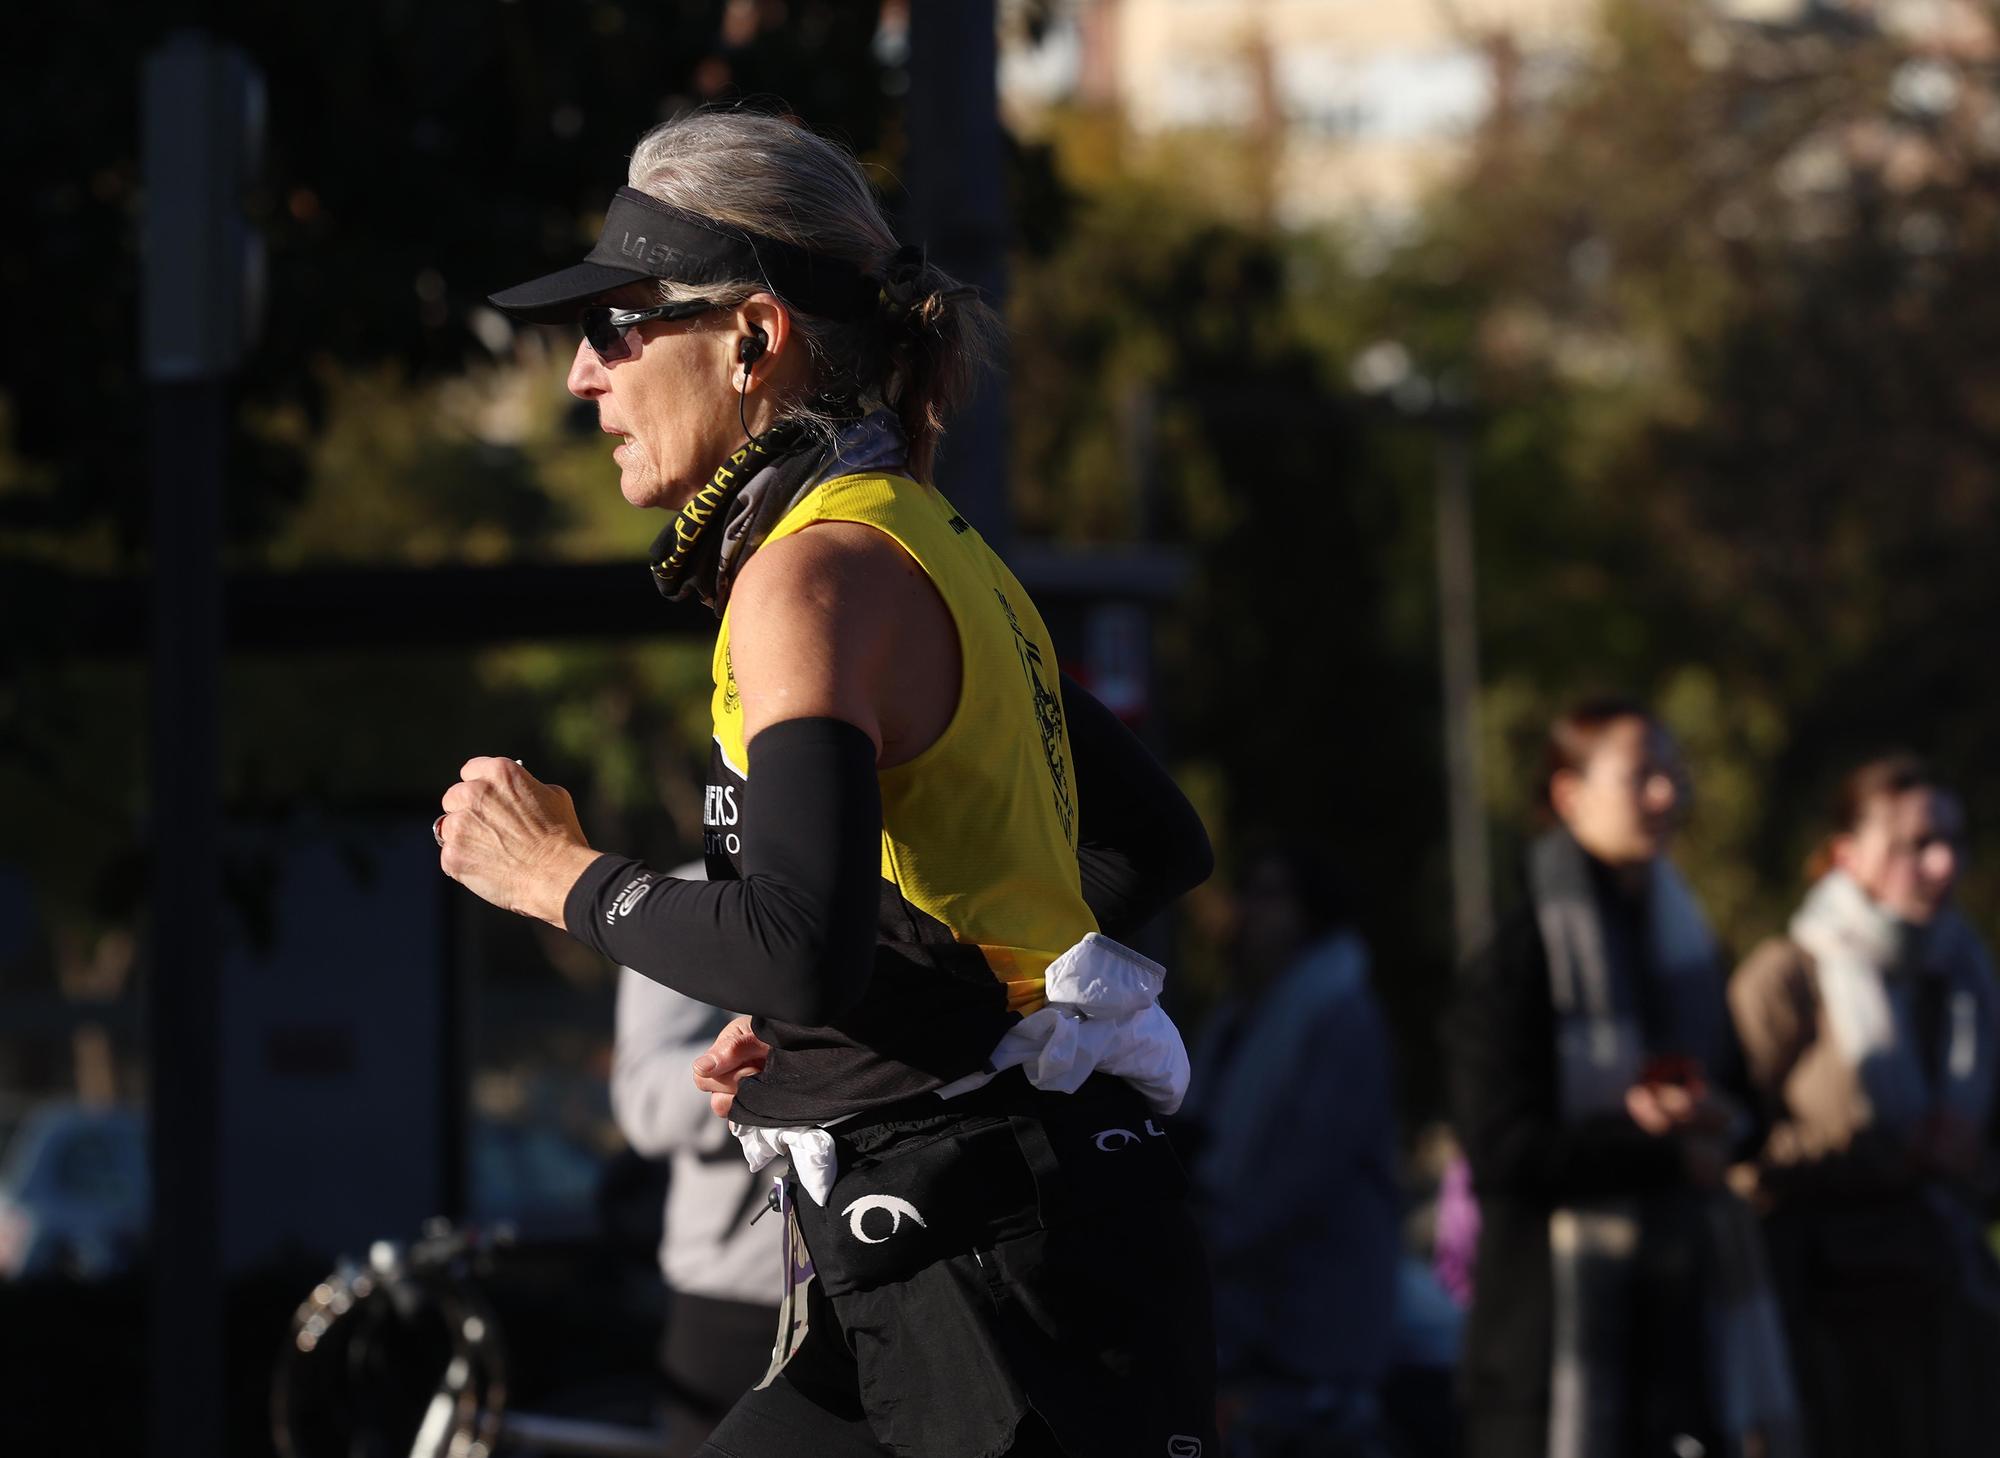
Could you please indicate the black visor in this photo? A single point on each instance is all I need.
(644, 238)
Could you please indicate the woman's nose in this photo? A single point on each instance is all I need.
(586, 372)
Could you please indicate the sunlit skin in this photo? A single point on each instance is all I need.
(673, 403)
(835, 621)
(1905, 853)
(1622, 805)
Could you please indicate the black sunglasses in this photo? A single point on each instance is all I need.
(607, 328)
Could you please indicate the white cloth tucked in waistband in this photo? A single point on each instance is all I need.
(1103, 1015)
(809, 1147)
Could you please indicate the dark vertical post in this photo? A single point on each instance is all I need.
(1458, 628)
(958, 211)
(202, 106)
(183, 1033)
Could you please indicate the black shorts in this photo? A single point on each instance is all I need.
(1010, 1273)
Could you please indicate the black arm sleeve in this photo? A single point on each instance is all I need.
(794, 939)
(1139, 842)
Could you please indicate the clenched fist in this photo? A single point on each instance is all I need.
(512, 840)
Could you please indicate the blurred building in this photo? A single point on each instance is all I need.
(1362, 105)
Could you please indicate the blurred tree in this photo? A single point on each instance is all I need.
(1178, 373)
(417, 158)
(1726, 296)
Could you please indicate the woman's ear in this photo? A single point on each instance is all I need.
(764, 338)
(1565, 786)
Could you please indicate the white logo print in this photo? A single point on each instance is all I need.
(1183, 1447)
(896, 1207)
(1110, 1140)
(634, 892)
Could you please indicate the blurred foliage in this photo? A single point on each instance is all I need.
(1732, 285)
(1715, 307)
(416, 158)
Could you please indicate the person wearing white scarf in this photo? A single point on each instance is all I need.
(1872, 1030)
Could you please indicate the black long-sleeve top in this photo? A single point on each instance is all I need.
(795, 937)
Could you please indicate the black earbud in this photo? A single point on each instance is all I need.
(749, 349)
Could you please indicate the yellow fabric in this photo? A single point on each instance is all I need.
(978, 831)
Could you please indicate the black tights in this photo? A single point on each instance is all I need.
(810, 1409)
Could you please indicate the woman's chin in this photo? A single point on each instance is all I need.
(643, 489)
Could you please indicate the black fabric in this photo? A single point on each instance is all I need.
(1052, 1296)
(1140, 844)
(811, 1409)
(794, 936)
(645, 238)
(1500, 1060)
(933, 1010)
(997, 1163)
(931, 1013)
(711, 1352)
(743, 500)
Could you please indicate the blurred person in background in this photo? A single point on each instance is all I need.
(722, 1272)
(1870, 1029)
(1620, 1308)
(1293, 1109)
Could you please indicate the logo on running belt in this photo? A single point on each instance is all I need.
(897, 1208)
(1181, 1446)
(1112, 1140)
(1048, 719)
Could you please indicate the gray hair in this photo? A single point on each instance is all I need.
(767, 175)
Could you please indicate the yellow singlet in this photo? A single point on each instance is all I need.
(980, 888)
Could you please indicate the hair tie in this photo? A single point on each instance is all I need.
(903, 276)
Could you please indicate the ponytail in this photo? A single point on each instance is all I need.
(941, 335)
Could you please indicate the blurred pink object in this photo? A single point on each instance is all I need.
(1455, 1252)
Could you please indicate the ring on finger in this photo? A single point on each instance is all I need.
(437, 829)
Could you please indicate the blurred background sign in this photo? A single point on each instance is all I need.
(343, 1077)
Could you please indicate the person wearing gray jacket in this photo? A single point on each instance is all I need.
(722, 1273)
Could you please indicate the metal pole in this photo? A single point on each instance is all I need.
(1458, 628)
(202, 112)
(958, 211)
(187, 433)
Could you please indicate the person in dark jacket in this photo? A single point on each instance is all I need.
(1596, 1086)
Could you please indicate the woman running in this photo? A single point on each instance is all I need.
(921, 838)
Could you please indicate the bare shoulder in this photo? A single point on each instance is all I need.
(807, 570)
(814, 619)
